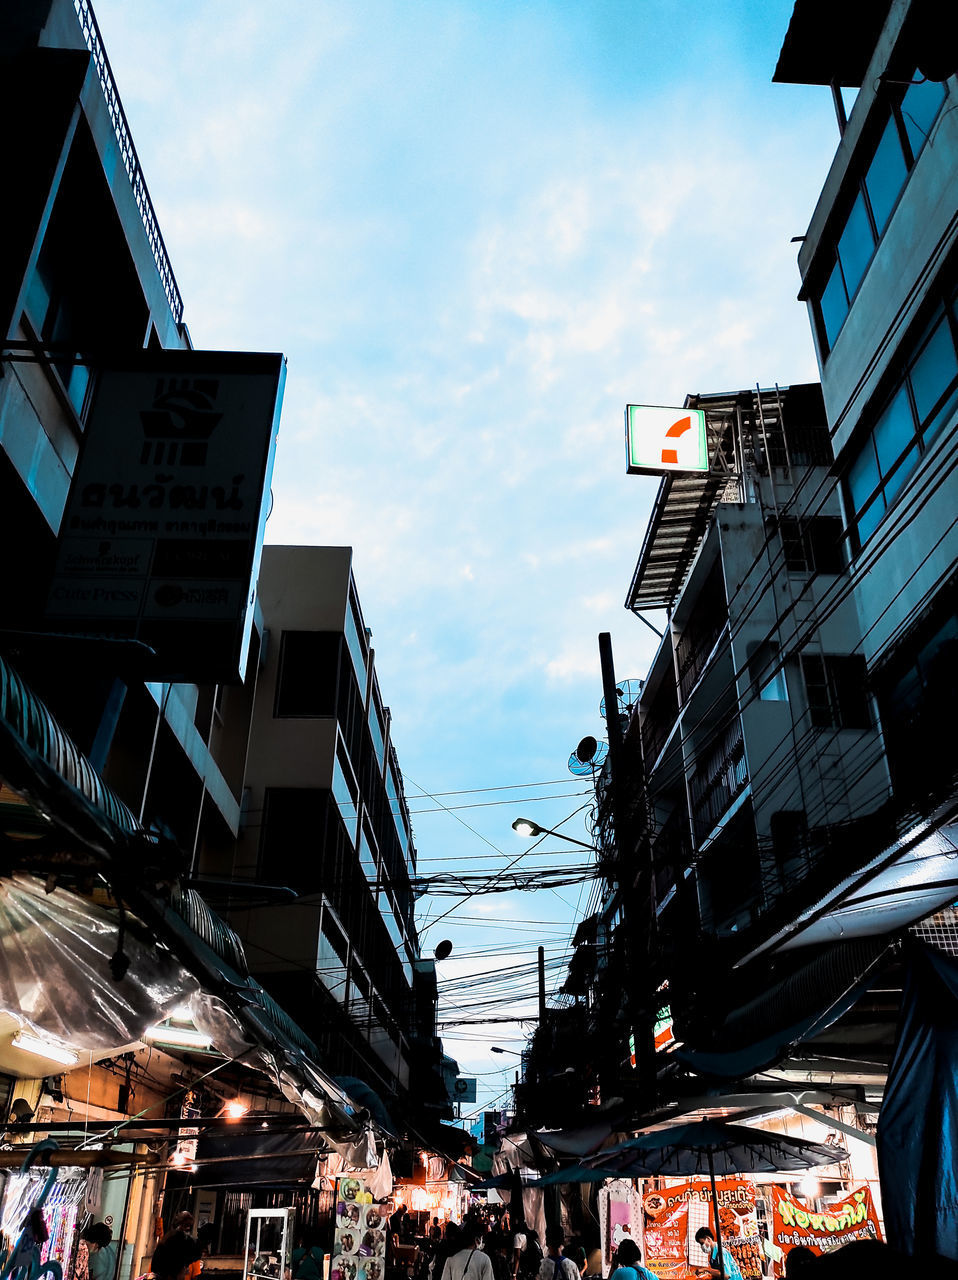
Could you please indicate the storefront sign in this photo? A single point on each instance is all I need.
(163, 530)
(674, 1213)
(794, 1223)
(660, 439)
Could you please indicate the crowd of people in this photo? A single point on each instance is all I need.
(487, 1245)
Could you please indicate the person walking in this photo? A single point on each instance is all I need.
(469, 1263)
(178, 1252)
(553, 1265)
(628, 1259)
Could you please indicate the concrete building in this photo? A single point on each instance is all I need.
(325, 814)
(788, 784)
(122, 785)
(879, 277)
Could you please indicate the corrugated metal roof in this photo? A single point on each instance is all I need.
(828, 41)
(680, 517)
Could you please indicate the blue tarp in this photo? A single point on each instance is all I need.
(918, 1122)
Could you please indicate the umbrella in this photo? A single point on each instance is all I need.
(573, 1173)
(700, 1146)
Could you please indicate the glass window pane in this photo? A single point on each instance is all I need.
(895, 482)
(834, 305)
(863, 476)
(919, 108)
(934, 370)
(856, 246)
(868, 520)
(894, 431)
(886, 175)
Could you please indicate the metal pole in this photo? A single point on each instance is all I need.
(542, 986)
(715, 1214)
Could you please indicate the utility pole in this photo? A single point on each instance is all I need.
(641, 924)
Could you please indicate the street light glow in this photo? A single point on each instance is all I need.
(526, 827)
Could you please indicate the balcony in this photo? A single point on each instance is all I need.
(708, 618)
(720, 777)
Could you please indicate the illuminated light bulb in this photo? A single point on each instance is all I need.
(811, 1187)
(235, 1109)
(45, 1049)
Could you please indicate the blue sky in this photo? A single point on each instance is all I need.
(478, 229)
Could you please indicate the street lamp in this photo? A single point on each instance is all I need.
(526, 827)
(494, 1048)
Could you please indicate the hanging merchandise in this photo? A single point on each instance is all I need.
(359, 1247)
(793, 1223)
(620, 1218)
(40, 1215)
(675, 1212)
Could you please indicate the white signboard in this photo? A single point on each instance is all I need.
(660, 439)
(163, 531)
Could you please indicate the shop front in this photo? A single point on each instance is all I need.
(760, 1220)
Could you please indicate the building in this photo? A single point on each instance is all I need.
(124, 740)
(780, 811)
(325, 815)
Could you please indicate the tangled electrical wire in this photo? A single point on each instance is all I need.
(453, 885)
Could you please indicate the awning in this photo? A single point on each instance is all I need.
(256, 1160)
(89, 830)
(828, 42)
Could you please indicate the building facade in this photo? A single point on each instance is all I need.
(785, 804)
(126, 814)
(325, 814)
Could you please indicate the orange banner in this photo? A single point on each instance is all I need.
(851, 1219)
(673, 1215)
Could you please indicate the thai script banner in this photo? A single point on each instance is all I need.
(794, 1223)
(675, 1212)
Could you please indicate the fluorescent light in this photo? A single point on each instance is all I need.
(182, 1013)
(45, 1049)
(185, 1037)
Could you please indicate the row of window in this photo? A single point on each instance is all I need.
(834, 686)
(316, 680)
(904, 134)
(921, 402)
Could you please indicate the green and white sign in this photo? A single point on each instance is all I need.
(660, 439)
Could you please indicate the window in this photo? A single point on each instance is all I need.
(835, 687)
(922, 400)
(291, 837)
(353, 627)
(345, 794)
(871, 203)
(308, 673)
(767, 673)
(812, 545)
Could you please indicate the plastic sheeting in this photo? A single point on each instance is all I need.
(55, 973)
(918, 1121)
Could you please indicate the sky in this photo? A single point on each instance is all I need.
(478, 229)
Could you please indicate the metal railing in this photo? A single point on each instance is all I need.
(720, 776)
(131, 162)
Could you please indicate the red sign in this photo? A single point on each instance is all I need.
(673, 1214)
(851, 1219)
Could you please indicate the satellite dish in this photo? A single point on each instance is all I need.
(443, 949)
(588, 756)
(628, 693)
